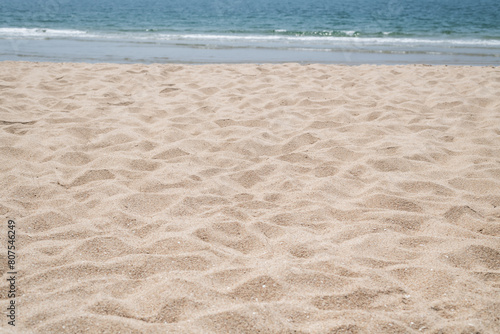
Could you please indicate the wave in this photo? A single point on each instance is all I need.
(40, 32)
(327, 38)
(319, 33)
(360, 40)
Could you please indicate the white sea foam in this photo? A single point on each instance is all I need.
(40, 32)
(349, 32)
(336, 40)
(324, 41)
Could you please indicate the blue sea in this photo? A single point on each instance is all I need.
(255, 31)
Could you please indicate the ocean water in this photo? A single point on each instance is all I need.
(214, 31)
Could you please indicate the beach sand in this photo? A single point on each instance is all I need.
(251, 198)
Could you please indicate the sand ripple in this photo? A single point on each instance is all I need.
(252, 198)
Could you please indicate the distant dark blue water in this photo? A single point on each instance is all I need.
(448, 31)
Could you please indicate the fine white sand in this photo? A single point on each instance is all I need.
(251, 198)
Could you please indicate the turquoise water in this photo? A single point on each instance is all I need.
(366, 31)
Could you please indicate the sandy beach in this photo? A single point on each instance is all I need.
(250, 198)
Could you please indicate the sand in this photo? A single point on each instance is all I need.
(251, 198)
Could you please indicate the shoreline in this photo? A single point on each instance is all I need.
(290, 63)
(203, 52)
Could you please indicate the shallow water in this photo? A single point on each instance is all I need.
(359, 31)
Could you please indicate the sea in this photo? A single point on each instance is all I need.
(454, 32)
